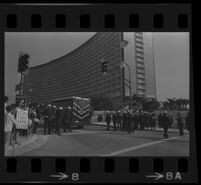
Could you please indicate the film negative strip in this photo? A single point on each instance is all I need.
(75, 55)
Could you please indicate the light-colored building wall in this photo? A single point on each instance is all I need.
(129, 58)
(145, 66)
(149, 65)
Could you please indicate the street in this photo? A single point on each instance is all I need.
(96, 141)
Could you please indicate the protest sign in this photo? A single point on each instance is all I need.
(22, 118)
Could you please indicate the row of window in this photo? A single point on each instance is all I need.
(52, 95)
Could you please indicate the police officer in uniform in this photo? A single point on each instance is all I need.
(114, 119)
(58, 119)
(47, 114)
(180, 124)
(165, 121)
(64, 119)
(160, 120)
(141, 120)
(129, 121)
(124, 121)
(108, 119)
(53, 119)
(134, 122)
(69, 119)
(119, 120)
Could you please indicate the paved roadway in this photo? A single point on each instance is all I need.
(96, 141)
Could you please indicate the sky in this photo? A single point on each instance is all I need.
(171, 51)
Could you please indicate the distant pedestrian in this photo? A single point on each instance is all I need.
(124, 121)
(58, 120)
(119, 118)
(165, 121)
(47, 120)
(64, 119)
(108, 119)
(180, 124)
(53, 118)
(129, 121)
(153, 121)
(160, 120)
(69, 119)
(114, 119)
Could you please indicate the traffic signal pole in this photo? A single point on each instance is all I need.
(21, 82)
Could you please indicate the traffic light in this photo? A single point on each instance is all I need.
(134, 97)
(23, 63)
(104, 66)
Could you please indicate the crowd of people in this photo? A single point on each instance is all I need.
(139, 120)
(54, 119)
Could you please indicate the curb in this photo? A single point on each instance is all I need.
(27, 146)
(170, 131)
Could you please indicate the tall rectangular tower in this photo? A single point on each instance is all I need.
(139, 55)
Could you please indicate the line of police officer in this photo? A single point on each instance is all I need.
(130, 121)
(55, 118)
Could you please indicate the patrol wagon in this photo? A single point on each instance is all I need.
(80, 109)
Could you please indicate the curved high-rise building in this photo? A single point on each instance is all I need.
(78, 73)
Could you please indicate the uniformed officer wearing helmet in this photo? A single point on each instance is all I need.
(58, 119)
(47, 119)
(53, 118)
(114, 119)
(69, 119)
(165, 122)
(108, 119)
(180, 124)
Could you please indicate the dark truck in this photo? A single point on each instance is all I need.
(80, 109)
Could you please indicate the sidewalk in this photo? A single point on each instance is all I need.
(26, 144)
(173, 130)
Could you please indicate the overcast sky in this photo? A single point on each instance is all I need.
(171, 52)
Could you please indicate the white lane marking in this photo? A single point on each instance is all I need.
(140, 146)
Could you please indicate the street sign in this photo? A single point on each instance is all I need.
(20, 98)
(18, 87)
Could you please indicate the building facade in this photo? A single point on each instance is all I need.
(139, 54)
(79, 72)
